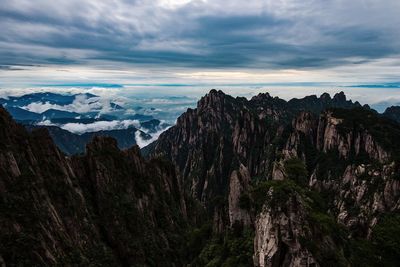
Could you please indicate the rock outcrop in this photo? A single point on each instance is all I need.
(239, 184)
(279, 234)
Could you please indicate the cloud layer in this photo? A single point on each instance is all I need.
(202, 34)
(96, 126)
(141, 142)
(81, 104)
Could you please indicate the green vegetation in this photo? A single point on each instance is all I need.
(296, 171)
(329, 165)
(234, 248)
(261, 192)
(280, 193)
(326, 235)
(386, 235)
(197, 238)
(384, 247)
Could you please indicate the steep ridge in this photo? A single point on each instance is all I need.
(210, 142)
(315, 178)
(109, 207)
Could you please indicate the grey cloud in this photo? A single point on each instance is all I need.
(256, 34)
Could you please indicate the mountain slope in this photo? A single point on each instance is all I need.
(73, 144)
(223, 132)
(23, 115)
(281, 166)
(109, 207)
(58, 114)
(393, 113)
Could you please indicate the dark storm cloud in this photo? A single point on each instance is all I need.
(197, 34)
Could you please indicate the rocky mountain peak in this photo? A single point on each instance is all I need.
(325, 97)
(393, 109)
(392, 113)
(261, 97)
(213, 98)
(340, 97)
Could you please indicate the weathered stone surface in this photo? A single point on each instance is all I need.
(239, 184)
(278, 233)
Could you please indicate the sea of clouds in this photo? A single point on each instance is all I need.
(80, 128)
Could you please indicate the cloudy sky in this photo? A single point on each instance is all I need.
(164, 42)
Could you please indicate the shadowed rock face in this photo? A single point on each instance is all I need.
(279, 232)
(109, 207)
(393, 113)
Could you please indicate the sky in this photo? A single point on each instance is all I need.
(199, 42)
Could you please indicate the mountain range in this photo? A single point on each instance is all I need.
(52, 98)
(35, 107)
(62, 113)
(72, 144)
(236, 182)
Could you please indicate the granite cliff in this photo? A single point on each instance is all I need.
(313, 177)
